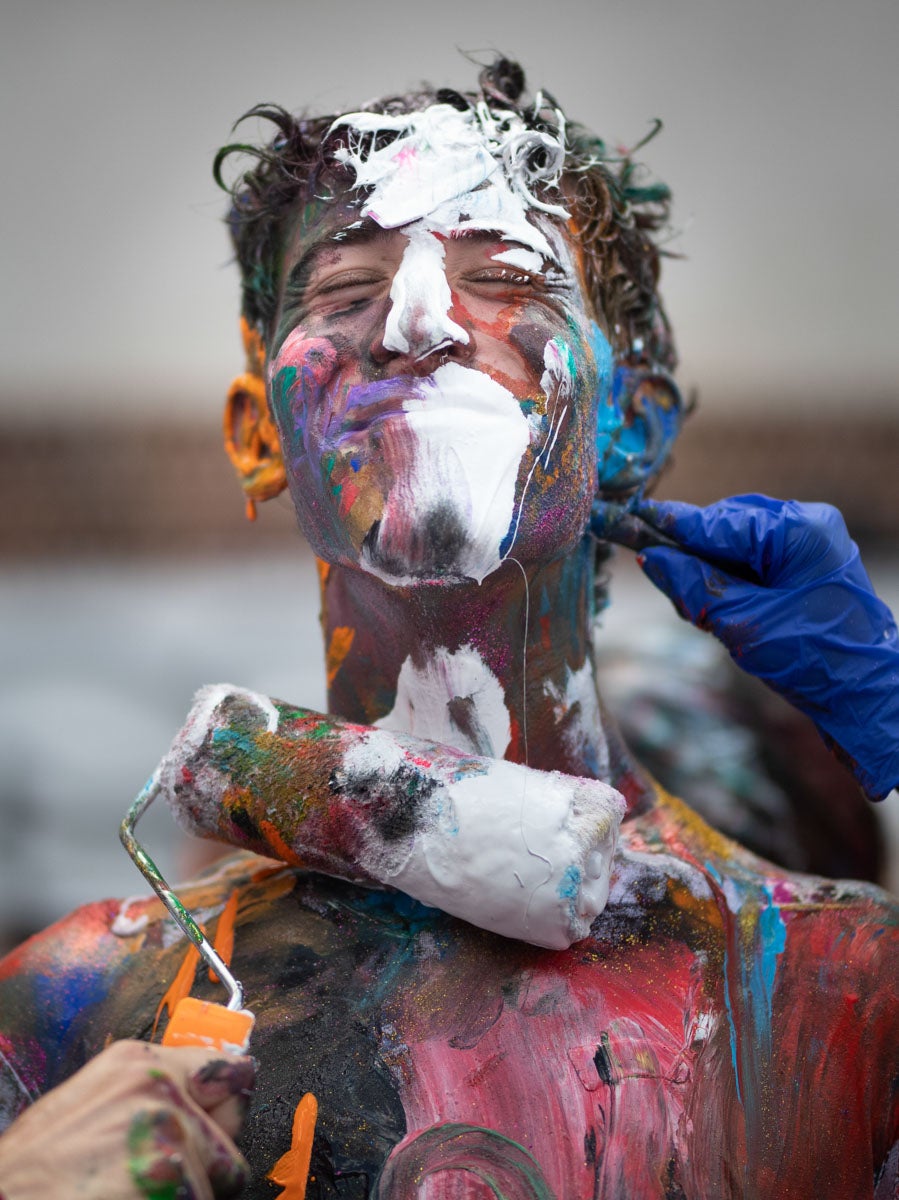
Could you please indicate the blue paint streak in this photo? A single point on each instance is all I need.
(569, 883)
(758, 972)
(771, 939)
(605, 363)
(233, 739)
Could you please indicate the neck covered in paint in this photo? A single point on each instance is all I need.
(503, 668)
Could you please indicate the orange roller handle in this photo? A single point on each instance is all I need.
(203, 1023)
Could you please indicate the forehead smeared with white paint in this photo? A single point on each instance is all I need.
(446, 172)
(460, 170)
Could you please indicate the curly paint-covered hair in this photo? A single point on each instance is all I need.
(614, 213)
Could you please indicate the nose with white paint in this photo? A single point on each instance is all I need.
(418, 323)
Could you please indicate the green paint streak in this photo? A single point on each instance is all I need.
(155, 1144)
(507, 1169)
(283, 382)
(322, 730)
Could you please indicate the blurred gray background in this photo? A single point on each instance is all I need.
(130, 576)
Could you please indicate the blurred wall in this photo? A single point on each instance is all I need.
(779, 144)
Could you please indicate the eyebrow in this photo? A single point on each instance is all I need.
(364, 233)
(468, 234)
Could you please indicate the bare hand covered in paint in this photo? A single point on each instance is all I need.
(137, 1122)
(782, 585)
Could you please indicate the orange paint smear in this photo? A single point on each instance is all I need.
(266, 873)
(349, 494)
(705, 911)
(339, 648)
(223, 942)
(253, 347)
(277, 843)
(180, 985)
(291, 1171)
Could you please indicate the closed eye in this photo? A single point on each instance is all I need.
(346, 292)
(347, 279)
(503, 275)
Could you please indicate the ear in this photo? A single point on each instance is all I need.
(636, 429)
(251, 440)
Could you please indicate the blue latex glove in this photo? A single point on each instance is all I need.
(782, 585)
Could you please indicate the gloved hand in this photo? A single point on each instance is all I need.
(782, 585)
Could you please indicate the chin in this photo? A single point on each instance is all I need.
(437, 546)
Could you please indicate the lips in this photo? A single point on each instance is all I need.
(369, 403)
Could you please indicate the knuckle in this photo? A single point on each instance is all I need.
(123, 1060)
(817, 518)
(127, 1050)
(163, 1125)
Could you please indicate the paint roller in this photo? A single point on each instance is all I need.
(517, 851)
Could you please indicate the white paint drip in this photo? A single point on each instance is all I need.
(424, 695)
(554, 383)
(584, 734)
(518, 256)
(440, 155)
(124, 925)
(558, 374)
(470, 437)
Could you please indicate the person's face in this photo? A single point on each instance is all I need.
(434, 380)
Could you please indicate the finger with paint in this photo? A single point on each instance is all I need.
(782, 586)
(514, 850)
(137, 1122)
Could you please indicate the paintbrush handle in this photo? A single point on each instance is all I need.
(617, 523)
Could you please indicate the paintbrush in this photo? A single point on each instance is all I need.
(611, 521)
(194, 1022)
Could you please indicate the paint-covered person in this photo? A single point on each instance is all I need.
(455, 348)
